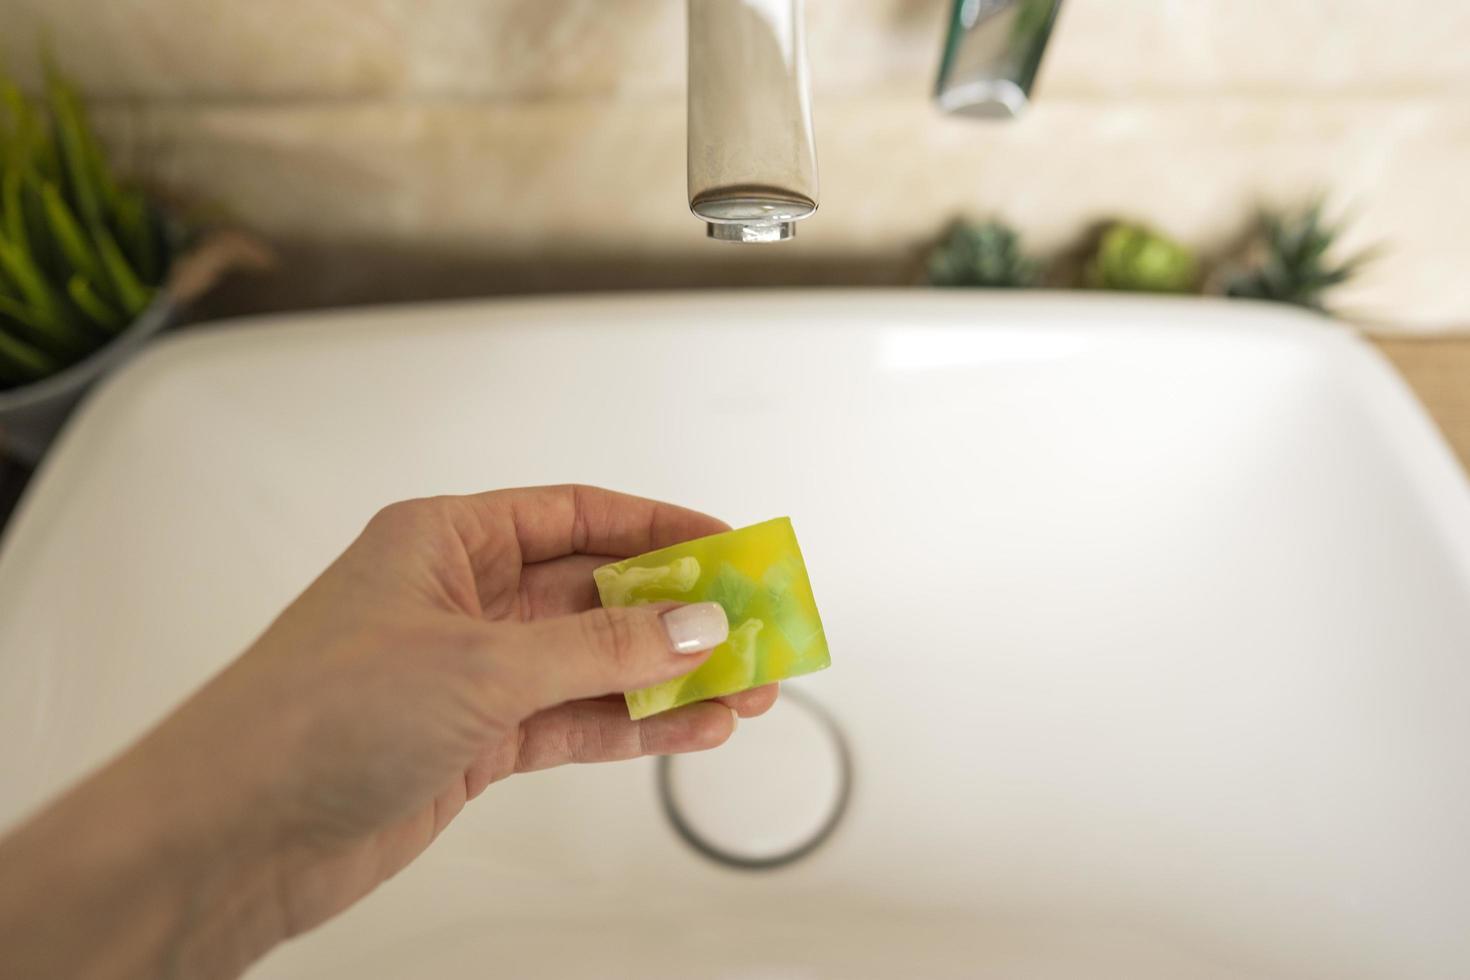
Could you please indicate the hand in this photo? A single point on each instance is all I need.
(452, 646)
(456, 642)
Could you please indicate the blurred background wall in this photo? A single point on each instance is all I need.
(407, 148)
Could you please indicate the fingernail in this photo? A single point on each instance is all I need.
(734, 720)
(696, 628)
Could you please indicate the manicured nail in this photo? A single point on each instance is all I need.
(696, 628)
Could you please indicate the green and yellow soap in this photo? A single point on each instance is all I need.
(758, 576)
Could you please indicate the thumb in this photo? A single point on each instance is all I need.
(609, 651)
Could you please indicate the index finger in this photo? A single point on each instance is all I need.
(551, 522)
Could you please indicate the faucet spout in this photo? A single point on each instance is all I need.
(752, 156)
(992, 55)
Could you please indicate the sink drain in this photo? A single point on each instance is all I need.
(770, 796)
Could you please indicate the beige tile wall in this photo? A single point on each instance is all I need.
(401, 148)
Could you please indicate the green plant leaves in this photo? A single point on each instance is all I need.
(138, 235)
(1291, 263)
(12, 199)
(80, 256)
(97, 309)
(131, 292)
(987, 255)
(69, 235)
(1290, 258)
(23, 317)
(89, 181)
(21, 362)
(22, 132)
(47, 314)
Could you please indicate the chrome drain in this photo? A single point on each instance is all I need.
(770, 796)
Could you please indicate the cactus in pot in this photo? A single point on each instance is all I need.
(1135, 258)
(1290, 259)
(988, 254)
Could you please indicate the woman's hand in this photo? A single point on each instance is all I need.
(456, 642)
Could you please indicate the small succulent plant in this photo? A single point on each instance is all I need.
(1135, 258)
(80, 255)
(1288, 260)
(987, 255)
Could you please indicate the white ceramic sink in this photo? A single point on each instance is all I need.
(1150, 622)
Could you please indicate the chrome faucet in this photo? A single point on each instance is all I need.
(992, 55)
(752, 156)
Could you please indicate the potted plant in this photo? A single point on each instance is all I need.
(90, 268)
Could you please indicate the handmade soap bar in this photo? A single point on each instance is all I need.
(758, 576)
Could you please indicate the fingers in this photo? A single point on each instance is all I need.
(747, 704)
(753, 703)
(600, 731)
(603, 651)
(549, 522)
(560, 587)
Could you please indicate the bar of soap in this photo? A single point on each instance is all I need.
(758, 576)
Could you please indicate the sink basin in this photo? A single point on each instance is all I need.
(1150, 622)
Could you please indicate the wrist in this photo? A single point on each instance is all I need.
(201, 790)
(202, 854)
(152, 867)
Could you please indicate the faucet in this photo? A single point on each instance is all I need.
(752, 156)
(992, 55)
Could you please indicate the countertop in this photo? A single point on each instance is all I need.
(1438, 369)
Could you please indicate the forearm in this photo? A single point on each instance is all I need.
(140, 871)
